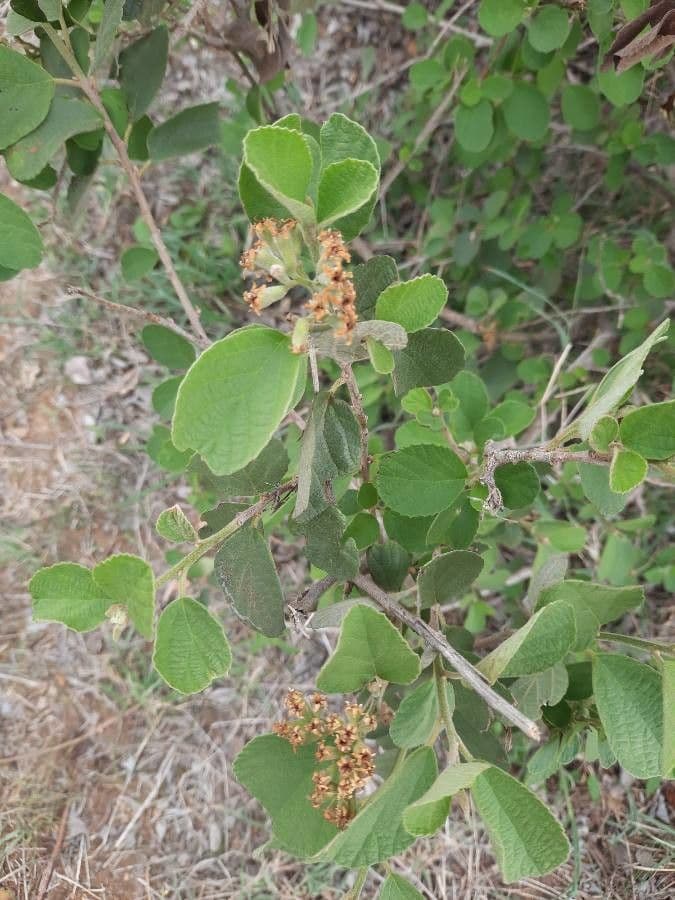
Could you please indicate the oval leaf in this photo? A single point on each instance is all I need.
(191, 648)
(233, 398)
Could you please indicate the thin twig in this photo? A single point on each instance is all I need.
(361, 417)
(493, 457)
(432, 124)
(47, 877)
(308, 598)
(274, 498)
(437, 642)
(90, 90)
(145, 315)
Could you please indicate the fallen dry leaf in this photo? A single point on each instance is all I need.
(630, 45)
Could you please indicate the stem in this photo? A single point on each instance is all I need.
(357, 405)
(438, 643)
(88, 87)
(494, 457)
(355, 891)
(641, 643)
(122, 309)
(274, 498)
(446, 715)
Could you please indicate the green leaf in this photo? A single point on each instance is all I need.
(526, 112)
(142, 68)
(377, 833)
(281, 162)
(562, 535)
(258, 203)
(388, 564)
(539, 644)
(396, 887)
(280, 778)
(526, 839)
(329, 448)
(627, 470)
(433, 356)
(20, 242)
(370, 279)
(416, 717)
(472, 719)
(161, 449)
(129, 580)
(422, 816)
(628, 696)
(235, 395)
(246, 572)
(455, 527)
(447, 577)
(381, 358)
(593, 604)
(668, 747)
(595, 484)
(369, 647)
(328, 546)
(420, 480)
(26, 92)
(603, 433)
(580, 107)
(363, 529)
(167, 347)
(262, 474)
(650, 430)
(138, 139)
(136, 262)
(111, 19)
(617, 382)
(474, 126)
(342, 139)
(622, 88)
(173, 525)
(164, 396)
(545, 688)
(28, 157)
(414, 17)
(518, 484)
(548, 29)
(188, 131)
(67, 593)
(514, 415)
(498, 17)
(345, 187)
(190, 648)
(413, 304)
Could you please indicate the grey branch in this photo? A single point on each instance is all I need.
(437, 642)
(493, 457)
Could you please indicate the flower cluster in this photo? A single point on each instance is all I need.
(273, 257)
(336, 292)
(345, 763)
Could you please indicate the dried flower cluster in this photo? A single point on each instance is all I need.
(273, 256)
(336, 292)
(345, 762)
(274, 261)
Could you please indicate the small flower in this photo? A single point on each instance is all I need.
(295, 703)
(318, 701)
(345, 738)
(315, 726)
(323, 752)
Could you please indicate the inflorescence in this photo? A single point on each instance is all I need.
(345, 763)
(274, 261)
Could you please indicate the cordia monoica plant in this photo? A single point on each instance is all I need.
(273, 421)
